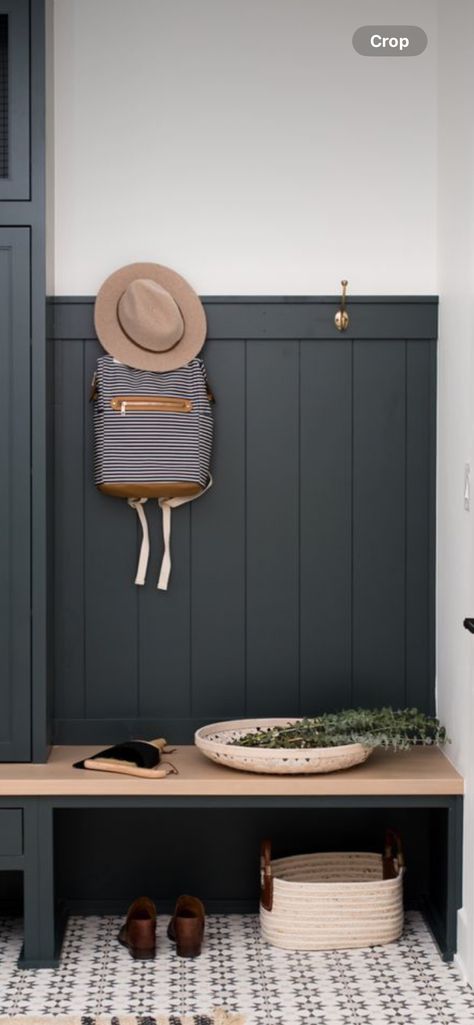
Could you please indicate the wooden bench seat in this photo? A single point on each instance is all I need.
(416, 772)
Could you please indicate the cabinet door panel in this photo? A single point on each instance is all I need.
(15, 494)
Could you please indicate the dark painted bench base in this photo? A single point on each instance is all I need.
(44, 923)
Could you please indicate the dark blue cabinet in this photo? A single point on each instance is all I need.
(18, 267)
(24, 596)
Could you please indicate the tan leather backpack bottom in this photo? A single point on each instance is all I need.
(169, 489)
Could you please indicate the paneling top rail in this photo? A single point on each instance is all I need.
(279, 317)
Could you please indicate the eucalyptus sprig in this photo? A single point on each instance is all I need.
(382, 727)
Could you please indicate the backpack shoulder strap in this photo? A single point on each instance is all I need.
(166, 505)
(137, 504)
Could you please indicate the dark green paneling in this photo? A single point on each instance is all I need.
(110, 596)
(15, 717)
(379, 523)
(304, 579)
(420, 498)
(69, 529)
(272, 521)
(163, 646)
(218, 549)
(325, 480)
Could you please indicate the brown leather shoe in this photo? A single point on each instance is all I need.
(186, 927)
(138, 933)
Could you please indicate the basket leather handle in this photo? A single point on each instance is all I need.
(393, 852)
(266, 878)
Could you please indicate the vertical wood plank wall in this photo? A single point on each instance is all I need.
(304, 580)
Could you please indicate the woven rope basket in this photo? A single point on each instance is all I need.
(332, 901)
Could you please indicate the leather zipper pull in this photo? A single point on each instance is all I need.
(93, 391)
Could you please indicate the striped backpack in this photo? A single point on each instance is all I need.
(153, 439)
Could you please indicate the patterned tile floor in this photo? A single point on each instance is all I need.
(405, 983)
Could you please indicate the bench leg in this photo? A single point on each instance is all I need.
(40, 948)
(445, 897)
(453, 876)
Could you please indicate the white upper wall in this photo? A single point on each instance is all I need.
(245, 144)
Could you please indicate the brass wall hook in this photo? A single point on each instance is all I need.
(341, 318)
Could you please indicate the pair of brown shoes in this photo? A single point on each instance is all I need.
(186, 928)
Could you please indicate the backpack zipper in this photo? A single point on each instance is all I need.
(150, 404)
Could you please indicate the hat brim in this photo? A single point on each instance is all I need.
(118, 344)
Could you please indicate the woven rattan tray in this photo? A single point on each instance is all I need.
(215, 741)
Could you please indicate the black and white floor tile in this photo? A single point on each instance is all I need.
(405, 983)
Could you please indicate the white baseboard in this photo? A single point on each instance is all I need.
(463, 959)
(458, 961)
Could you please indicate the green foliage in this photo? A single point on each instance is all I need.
(381, 727)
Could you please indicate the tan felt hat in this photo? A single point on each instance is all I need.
(148, 317)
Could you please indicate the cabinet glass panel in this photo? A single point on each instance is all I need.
(14, 100)
(3, 96)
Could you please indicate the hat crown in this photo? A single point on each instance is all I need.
(150, 316)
